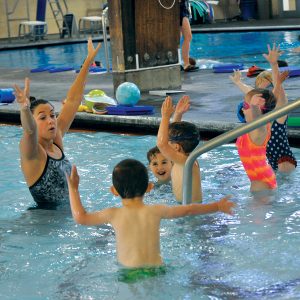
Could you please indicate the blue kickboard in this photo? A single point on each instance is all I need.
(130, 110)
(61, 69)
(293, 70)
(227, 68)
(41, 69)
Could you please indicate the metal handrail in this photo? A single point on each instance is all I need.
(104, 24)
(228, 137)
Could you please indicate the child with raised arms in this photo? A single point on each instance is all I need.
(136, 224)
(159, 165)
(176, 141)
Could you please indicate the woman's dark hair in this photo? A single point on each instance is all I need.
(36, 102)
(130, 178)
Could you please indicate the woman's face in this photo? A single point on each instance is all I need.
(46, 121)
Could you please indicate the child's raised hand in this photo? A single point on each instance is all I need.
(273, 55)
(236, 77)
(183, 105)
(73, 179)
(283, 76)
(167, 108)
(22, 96)
(92, 52)
(226, 206)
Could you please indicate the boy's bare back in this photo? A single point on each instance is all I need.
(137, 234)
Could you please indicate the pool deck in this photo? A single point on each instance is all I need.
(213, 96)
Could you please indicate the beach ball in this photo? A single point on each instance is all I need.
(128, 94)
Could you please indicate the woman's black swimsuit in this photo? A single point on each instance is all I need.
(51, 189)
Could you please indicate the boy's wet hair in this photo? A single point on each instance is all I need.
(265, 75)
(268, 95)
(34, 103)
(185, 134)
(152, 153)
(130, 178)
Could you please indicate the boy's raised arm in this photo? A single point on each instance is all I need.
(79, 213)
(224, 205)
(182, 107)
(166, 150)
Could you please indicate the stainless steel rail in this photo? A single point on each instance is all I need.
(104, 25)
(228, 137)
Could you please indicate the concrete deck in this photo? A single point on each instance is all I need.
(213, 97)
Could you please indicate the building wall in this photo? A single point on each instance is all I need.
(275, 7)
(79, 8)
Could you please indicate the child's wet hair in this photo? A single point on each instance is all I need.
(152, 153)
(264, 75)
(34, 103)
(130, 178)
(185, 134)
(268, 95)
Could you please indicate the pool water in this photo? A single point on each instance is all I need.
(45, 255)
(207, 48)
(243, 47)
(67, 55)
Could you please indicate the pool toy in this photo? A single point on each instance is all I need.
(227, 68)
(7, 95)
(83, 108)
(128, 94)
(41, 69)
(96, 97)
(61, 69)
(100, 108)
(254, 71)
(293, 70)
(126, 110)
(51, 69)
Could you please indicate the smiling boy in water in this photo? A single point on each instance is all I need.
(159, 165)
(136, 224)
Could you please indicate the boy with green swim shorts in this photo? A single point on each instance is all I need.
(136, 224)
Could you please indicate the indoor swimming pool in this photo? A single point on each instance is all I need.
(45, 255)
(207, 48)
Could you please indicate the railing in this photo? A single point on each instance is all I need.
(104, 25)
(228, 137)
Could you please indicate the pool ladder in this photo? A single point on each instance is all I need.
(226, 138)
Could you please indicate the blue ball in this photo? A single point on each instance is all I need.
(128, 94)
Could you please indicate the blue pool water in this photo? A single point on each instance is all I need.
(208, 48)
(45, 255)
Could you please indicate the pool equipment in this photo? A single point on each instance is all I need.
(96, 97)
(293, 70)
(126, 110)
(227, 68)
(61, 69)
(51, 69)
(128, 94)
(7, 95)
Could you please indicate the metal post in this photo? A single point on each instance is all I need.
(104, 19)
(225, 138)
